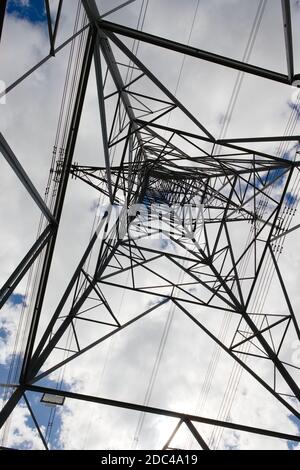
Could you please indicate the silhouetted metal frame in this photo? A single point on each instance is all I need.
(65, 174)
(32, 362)
(2, 15)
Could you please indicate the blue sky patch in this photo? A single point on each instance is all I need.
(290, 199)
(48, 417)
(295, 420)
(17, 299)
(274, 176)
(295, 107)
(34, 12)
(2, 336)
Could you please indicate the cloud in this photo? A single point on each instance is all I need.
(121, 369)
(20, 433)
(32, 11)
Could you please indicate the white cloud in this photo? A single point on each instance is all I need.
(21, 435)
(122, 371)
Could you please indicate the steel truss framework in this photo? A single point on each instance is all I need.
(235, 186)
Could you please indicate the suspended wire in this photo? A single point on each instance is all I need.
(170, 316)
(223, 332)
(136, 43)
(128, 78)
(33, 276)
(262, 292)
(184, 57)
(257, 306)
(154, 374)
(64, 132)
(108, 354)
(140, 24)
(264, 288)
(158, 360)
(240, 76)
(130, 69)
(293, 119)
(225, 323)
(33, 281)
(267, 273)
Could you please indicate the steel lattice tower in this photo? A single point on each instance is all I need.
(200, 195)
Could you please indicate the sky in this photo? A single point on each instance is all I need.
(32, 11)
(190, 373)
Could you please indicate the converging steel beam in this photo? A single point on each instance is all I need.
(180, 132)
(62, 188)
(49, 22)
(115, 9)
(25, 264)
(53, 29)
(14, 163)
(193, 52)
(157, 82)
(58, 15)
(284, 233)
(99, 81)
(74, 278)
(10, 405)
(238, 360)
(42, 62)
(197, 435)
(100, 340)
(93, 15)
(288, 37)
(276, 138)
(167, 444)
(2, 15)
(163, 412)
(153, 168)
(35, 422)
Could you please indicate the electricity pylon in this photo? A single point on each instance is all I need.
(213, 211)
